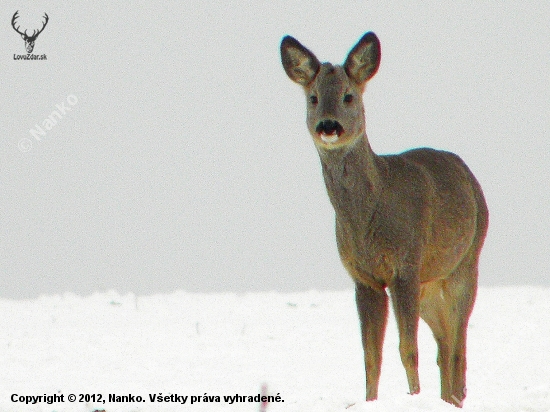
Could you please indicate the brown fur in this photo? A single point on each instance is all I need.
(413, 223)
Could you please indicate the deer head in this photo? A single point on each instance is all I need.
(29, 40)
(335, 112)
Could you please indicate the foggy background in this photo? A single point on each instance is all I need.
(185, 162)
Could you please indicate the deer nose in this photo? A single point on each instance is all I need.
(329, 127)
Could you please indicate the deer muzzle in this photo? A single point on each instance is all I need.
(29, 45)
(329, 130)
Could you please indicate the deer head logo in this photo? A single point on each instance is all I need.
(29, 40)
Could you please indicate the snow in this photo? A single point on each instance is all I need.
(304, 346)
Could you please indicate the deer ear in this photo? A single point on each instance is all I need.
(300, 64)
(363, 60)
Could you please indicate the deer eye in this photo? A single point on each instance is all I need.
(348, 98)
(313, 99)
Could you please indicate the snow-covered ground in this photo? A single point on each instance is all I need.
(305, 347)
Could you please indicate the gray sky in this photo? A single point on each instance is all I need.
(185, 162)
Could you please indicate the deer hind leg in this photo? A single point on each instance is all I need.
(405, 298)
(462, 288)
(372, 306)
(433, 309)
(446, 307)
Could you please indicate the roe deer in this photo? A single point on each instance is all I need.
(413, 222)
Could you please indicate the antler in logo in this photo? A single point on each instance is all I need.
(29, 40)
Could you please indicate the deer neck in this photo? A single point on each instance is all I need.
(353, 179)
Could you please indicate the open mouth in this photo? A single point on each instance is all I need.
(329, 130)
